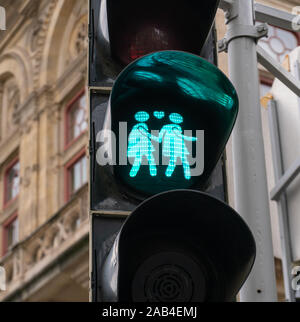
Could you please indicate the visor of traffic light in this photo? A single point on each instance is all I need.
(134, 28)
(189, 104)
(180, 245)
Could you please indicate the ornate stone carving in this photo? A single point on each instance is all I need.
(39, 38)
(79, 39)
(48, 241)
(34, 38)
(10, 104)
(13, 107)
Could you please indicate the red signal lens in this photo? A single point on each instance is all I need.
(137, 28)
(148, 39)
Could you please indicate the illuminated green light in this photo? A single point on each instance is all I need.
(159, 97)
(173, 144)
(140, 145)
(159, 115)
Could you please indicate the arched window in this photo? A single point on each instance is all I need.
(279, 43)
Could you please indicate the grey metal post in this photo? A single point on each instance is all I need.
(250, 180)
(284, 230)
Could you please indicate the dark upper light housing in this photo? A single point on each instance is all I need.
(126, 30)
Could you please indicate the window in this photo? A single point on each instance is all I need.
(76, 118)
(11, 182)
(77, 175)
(11, 233)
(279, 43)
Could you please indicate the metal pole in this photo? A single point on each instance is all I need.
(284, 227)
(250, 180)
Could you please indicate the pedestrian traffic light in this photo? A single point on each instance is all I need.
(158, 134)
(179, 246)
(119, 32)
(169, 117)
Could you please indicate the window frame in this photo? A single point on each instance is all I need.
(5, 225)
(296, 34)
(9, 167)
(67, 141)
(68, 166)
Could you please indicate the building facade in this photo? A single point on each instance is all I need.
(43, 150)
(278, 44)
(44, 226)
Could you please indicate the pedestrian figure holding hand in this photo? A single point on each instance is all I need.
(174, 145)
(140, 145)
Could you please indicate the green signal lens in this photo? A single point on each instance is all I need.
(166, 99)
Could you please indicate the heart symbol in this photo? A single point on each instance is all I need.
(159, 115)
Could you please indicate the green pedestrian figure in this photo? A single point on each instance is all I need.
(174, 145)
(140, 145)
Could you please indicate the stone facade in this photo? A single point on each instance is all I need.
(43, 55)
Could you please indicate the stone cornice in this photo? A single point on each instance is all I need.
(23, 109)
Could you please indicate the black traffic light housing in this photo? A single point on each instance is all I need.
(179, 246)
(166, 85)
(121, 31)
(108, 21)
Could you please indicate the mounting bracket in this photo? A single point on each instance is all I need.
(239, 31)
